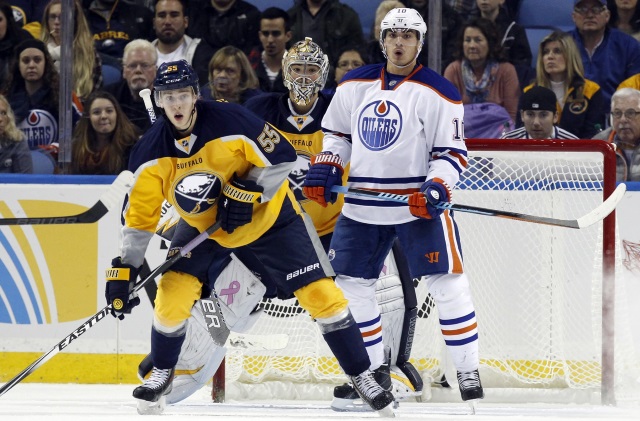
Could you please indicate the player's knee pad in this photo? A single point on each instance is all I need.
(322, 299)
(450, 291)
(239, 292)
(177, 291)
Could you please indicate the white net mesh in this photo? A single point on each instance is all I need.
(537, 291)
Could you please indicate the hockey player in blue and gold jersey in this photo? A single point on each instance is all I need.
(217, 161)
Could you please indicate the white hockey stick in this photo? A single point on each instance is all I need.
(597, 214)
(145, 94)
(108, 201)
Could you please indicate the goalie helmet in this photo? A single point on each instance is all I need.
(403, 19)
(175, 75)
(302, 84)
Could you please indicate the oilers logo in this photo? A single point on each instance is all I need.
(40, 128)
(196, 192)
(379, 125)
(297, 176)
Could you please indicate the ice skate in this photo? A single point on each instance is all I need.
(346, 399)
(151, 394)
(470, 388)
(373, 394)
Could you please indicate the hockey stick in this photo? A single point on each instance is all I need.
(145, 94)
(597, 214)
(107, 201)
(93, 320)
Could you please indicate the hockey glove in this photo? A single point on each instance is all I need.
(121, 279)
(422, 203)
(325, 172)
(236, 207)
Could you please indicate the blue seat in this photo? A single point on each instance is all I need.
(536, 13)
(43, 163)
(366, 11)
(110, 75)
(263, 4)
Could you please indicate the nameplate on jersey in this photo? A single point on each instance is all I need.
(300, 121)
(186, 143)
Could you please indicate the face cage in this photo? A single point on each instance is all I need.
(302, 87)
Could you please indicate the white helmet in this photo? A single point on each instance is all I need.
(403, 19)
(306, 53)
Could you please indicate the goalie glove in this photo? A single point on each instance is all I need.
(236, 207)
(121, 279)
(422, 203)
(325, 172)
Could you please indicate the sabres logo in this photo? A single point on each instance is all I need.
(197, 192)
(379, 124)
(297, 176)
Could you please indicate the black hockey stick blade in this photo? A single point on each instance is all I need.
(597, 214)
(110, 199)
(100, 315)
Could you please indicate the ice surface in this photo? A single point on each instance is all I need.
(56, 402)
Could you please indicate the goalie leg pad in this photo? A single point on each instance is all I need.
(239, 292)
(198, 361)
(391, 303)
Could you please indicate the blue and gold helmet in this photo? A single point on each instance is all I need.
(175, 75)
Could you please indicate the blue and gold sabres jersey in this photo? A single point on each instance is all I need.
(191, 172)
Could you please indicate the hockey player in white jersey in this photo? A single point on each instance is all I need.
(400, 126)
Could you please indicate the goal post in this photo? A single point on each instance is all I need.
(551, 319)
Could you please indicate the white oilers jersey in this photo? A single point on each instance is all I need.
(395, 139)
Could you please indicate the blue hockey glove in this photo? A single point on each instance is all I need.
(325, 172)
(422, 203)
(236, 206)
(121, 279)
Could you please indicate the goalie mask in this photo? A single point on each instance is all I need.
(305, 69)
(175, 75)
(403, 19)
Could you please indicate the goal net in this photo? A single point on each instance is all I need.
(551, 317)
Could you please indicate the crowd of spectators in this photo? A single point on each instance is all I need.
(237, 47)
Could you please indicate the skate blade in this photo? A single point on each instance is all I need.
(151, 408)
(387, 411)
(473, 404)
(350, 405)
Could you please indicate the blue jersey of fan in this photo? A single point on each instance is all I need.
(396, 134)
